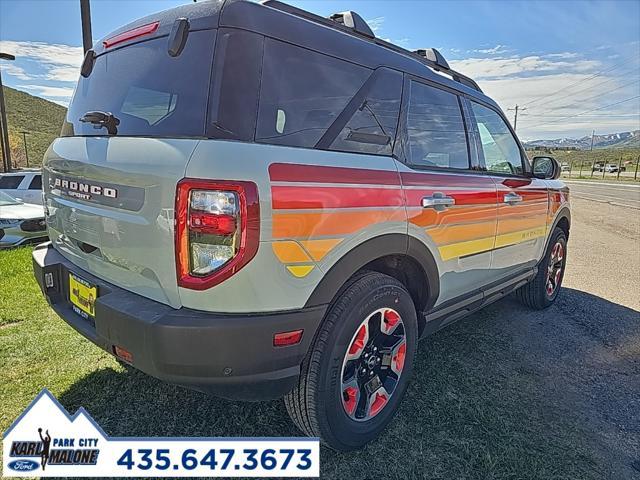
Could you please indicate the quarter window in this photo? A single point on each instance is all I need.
(501, 151)
(372, 128)
(302, 93)
(36, 183)
(435, 129)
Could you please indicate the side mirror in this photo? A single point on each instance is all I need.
(546, 168)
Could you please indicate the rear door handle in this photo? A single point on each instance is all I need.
(438, 201)
(512, 198)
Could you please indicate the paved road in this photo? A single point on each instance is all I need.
(615, 194)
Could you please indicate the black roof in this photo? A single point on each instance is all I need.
(303, 29)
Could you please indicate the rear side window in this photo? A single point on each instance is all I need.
(302, 93)
(500, 149)
(372, 128)
(36, 183)
(150, 92)
(11, 182)
(435, 129)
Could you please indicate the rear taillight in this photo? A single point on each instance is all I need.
(217, 230)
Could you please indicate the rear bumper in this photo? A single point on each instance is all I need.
(228, 355)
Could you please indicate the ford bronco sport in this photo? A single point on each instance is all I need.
(254, 201)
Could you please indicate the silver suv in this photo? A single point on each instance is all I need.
(254, 201)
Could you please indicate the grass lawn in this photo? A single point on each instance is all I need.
(472, 411)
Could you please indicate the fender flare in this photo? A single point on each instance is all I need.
(563, 213)
(367, 252)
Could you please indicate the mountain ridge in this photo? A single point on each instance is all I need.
(611, 140)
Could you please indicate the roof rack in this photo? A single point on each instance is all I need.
(352, 23)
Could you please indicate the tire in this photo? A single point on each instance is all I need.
(319, 404)
(537, 294)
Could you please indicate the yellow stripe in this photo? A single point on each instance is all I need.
(461, 249)
(454, 250)
(319, 248)
(300, 270)
(519, 237)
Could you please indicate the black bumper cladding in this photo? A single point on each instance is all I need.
(228, 355)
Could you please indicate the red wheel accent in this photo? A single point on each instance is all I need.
(391, 318)
(378, 404)
(350, 399)
(359, 341)
(398, 358)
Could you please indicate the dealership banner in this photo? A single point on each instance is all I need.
(46, 441)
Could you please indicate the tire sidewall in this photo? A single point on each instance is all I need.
(351, 433)
(558, 236)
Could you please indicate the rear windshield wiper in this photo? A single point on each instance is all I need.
(102, 119)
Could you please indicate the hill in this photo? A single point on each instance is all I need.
(611, 140)
(40, 118)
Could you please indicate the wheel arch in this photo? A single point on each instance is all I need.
(397, 255)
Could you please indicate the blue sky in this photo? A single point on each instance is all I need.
(574, 65)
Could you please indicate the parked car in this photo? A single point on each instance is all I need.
(613, 168)
(20, 223)
(365, 201)
(565, 167)
(597, 167)
(23, 184)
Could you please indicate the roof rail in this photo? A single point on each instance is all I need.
(353, 23)
(349, 22)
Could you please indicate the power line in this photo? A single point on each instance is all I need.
(579, 91)
(595, 75)
(593, 96)
(588, 111)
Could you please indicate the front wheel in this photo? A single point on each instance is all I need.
(359, 365)
(542, 291)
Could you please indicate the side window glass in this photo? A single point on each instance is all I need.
(501, 151)
(372, 128)
(11, 182)
(36, 183)
(435, 129)
(302, 93)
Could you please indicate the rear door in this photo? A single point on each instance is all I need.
(33, 192)
(451, 204)
(522, 199)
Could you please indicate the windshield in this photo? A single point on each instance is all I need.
(149, 92)
(6, 199)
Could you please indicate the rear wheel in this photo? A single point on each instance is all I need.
(542, 291)
(359, 365)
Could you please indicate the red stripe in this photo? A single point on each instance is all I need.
(290, 172)
(414, 197)
(334, 197)
(432, 179)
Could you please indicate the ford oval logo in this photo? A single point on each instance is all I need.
(23, 465)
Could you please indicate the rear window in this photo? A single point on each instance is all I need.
(150, 92)
(11, 182)
(36, 183)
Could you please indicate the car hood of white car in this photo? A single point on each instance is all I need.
(22, 211)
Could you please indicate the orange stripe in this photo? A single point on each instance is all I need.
(319, 248)
(307, 225)
(429, 217)
(517, 224)
(289, 252)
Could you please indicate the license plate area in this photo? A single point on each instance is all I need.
(82, 296)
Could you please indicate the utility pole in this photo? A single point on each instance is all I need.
(593, 132)
(85, 15)
(26, 152)
(6, 148)
(515, 117)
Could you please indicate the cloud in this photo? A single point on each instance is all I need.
(58, 62)
(491, 51)
(375, 23)
(15, 71)
(486, 68)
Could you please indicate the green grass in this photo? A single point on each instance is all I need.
(473, 411)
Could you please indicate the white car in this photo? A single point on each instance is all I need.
(20, 223)
(25, 185)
